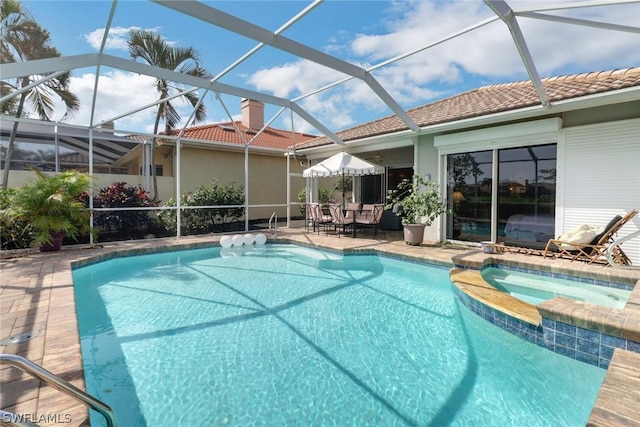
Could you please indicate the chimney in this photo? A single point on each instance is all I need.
(252, 113)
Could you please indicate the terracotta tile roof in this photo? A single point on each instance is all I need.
(492, 99)
(226, 133)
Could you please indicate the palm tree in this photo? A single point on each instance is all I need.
(13, 27)
(155, 51)
(23, 40)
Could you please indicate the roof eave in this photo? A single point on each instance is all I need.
(227, 146)
(564, 105)
(561, 106)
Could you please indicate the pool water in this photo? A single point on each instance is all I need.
(292, 336)
(535, 289)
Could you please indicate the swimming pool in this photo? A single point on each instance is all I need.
(535, 288)
(287, 335)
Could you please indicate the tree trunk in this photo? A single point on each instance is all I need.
(12, 139)
(154, 177)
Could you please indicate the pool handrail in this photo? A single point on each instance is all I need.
(274, 231)
(58, 383)
(617, 243)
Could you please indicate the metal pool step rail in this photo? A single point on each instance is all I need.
(56, 382)
(616, 244)
(274, 231)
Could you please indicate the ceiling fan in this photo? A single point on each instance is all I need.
(378, 158)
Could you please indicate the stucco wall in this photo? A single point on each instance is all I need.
(166, 185)
(609, 113)
(267, 176)
(427, 167)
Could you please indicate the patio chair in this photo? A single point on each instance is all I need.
(310, 217)
(365, 212)
(370, 217)
(351, 210)
(316, 217)
(595, 251)
(339, 220)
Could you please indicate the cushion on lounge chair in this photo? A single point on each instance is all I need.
(582, 235)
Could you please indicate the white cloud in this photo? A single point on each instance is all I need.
(118, 92)
(293, 78)
(116, 40)
(487, 54)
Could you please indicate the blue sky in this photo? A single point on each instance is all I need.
(364, 33)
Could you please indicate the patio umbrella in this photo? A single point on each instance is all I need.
(342, 164)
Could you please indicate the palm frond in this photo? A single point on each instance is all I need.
(172, 116)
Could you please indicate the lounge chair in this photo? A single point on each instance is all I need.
(522, 247)
(595, 251)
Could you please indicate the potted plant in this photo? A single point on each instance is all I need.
(418, 203)
(52, 206)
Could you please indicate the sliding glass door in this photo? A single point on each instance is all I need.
(523, 204)
(469, 190)
(527, 194)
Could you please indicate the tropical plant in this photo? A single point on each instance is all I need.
(302, 198)
(122, 195)
(209, 220)
(154, 50)
(52, 204)
(325, 195)
(24, 40)
(15, 233)
(344, 184)
(416, 201)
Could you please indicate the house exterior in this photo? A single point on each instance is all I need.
(510, 168)
(217, 152)
(208, 152)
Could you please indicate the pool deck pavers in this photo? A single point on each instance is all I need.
(36, 296)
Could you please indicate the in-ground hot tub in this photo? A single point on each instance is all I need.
(536, 288)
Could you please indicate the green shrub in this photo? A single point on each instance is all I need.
(210, 220)
(122, 195)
